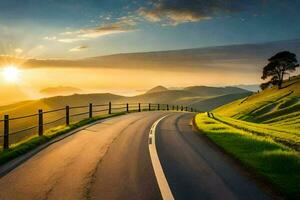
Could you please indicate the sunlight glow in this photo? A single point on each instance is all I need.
(11, 74)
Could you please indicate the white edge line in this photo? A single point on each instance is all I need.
(159, 173)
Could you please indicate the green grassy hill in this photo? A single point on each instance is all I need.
(279, 107)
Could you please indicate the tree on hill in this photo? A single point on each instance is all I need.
(278, 66)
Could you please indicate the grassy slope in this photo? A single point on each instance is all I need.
(270, 106)
(262, 131)
(276, 162)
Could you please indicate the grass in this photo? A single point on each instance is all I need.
(279, 164)
(23, 147)
(289, 137)
(269, 106)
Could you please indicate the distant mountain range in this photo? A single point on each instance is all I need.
(202, 97)
(60, 90)
(157, 89)
(252, 87)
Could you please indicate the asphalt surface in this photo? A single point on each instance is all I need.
(196, 170)
(111, 160)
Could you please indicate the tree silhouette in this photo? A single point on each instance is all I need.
(278, 66)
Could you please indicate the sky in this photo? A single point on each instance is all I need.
(48, 31)
(86, 28)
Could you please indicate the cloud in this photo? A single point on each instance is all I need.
(40, 46)
(70, 40)
(79, 48)
(101, 31)
(50, 38)
(150, 15)
(183, 11)
(18, 50)
(125, 24)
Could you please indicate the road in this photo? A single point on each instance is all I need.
(111, 160)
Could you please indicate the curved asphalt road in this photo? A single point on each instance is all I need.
(111, 160)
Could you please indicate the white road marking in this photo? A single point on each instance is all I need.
(159, 173)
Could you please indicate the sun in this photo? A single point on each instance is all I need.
(11, 74)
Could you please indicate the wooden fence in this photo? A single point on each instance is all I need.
(86, 110)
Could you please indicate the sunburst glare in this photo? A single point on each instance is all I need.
(11, 74)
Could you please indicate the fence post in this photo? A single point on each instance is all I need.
(67, 115)
(41, 128)
(158, 107)
(127, 107)
(90, 110)
(167, 106)
(149, 106)
(139, 107)
(6, 132)
(109, 108)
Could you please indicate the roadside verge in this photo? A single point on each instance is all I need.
(273, 166)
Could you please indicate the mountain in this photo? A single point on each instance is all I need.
(272, 106)
(252, 87)
(214, 91)
(60, 90)
(157, 89)
(214, 102)
(159, 94)
(194, 95)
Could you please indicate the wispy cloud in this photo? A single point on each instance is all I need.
(79, 48)
(18, 50)
(70, 40)
(183, 11)
(50, 38)
(125, 24)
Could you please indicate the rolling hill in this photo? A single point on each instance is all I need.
(214, 91)
(157, 89)
(214, 102)
(60, 90)
(271, 106)
(159, 94)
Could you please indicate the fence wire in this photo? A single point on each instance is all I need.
(22, 127)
